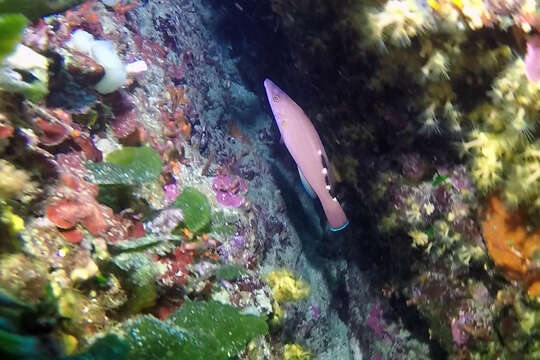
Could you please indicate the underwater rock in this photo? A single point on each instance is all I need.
(165, 222)
(23, 277)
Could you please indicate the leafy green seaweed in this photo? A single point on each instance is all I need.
(18, 345)
(148, 242)
(195, 208)
(222, 225)
(35, 9)
(11, 27)
(222, 331)
(150, 338)
(139, 272)
(229, 272)
(439, 179)
(108, 347)
(129, 166)
(198, 331)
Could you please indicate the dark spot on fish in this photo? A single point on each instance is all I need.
(326, 178)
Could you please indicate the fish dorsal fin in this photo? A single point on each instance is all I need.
(306, 185)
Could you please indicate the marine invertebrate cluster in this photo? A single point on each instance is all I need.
(399, 21)
(504, 147)
(295, 352)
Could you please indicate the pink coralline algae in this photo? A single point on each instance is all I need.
(230, 190)
(171, 192)
(374, 320)
(532, 59)
(459, 335)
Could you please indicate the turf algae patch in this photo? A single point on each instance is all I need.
(128, 166)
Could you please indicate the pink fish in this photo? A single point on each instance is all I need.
(307, 150)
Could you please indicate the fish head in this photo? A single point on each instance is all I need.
(281, 104)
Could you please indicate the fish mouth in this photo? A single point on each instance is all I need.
(268, 83)
(273, 91)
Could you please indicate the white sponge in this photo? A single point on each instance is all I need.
(104, 53)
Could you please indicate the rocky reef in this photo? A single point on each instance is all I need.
(430, 110)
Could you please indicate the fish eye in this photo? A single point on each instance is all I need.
(275, 98)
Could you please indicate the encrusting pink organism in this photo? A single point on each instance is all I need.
(230, 190)
(305, 146)
(532, 59)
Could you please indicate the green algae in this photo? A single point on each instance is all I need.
(229, 272)
(11, 27)
(139, 273)
(222, 224)
(35, 9)
(198, 331)
(195, 208)
(153, 243)
(150, 338)
(108, 347)
(221, 330)
(128, 166)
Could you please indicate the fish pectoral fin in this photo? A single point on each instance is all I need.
(306, 185)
